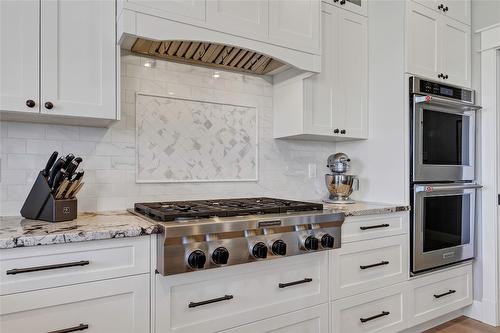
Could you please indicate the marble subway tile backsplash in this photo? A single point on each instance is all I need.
(109, 153)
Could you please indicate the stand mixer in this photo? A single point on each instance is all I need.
(339, 184)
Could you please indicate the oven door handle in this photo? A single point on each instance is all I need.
(442, 188)
(445, 102)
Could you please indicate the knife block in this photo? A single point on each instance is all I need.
(42, 205)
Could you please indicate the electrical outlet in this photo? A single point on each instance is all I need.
(312, 170)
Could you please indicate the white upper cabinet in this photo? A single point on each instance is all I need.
(248, 18)
(356, 6)
(437, 47)
(19, 50)
(422, 30)
(459, 10)
(192, 9)
(456, 52)
(78, 58)
(295, 23)
(334, 105)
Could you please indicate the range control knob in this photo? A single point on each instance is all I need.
(197, 259)
(311, 243)
(279, 248)
(327, 241)
(220, 256)
(259, 250)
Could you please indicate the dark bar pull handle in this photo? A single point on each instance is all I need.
(374, 265)
(451, 291)
(385, 225)
(289, 284)
(210, 301)
(80, 327)
(384, 313)
(47, 267)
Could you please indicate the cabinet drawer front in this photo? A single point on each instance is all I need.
(118, 305)
(369, 227)
(223, 298)
(24, 269)
(382, 310)
(440, 293)
(367, 265)
(311, 320)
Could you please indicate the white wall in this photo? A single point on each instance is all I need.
(109, 154)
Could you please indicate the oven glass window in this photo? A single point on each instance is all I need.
(446, 221)
(443, 135)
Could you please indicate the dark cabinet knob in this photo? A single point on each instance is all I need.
(327, 241)
(343, 131)
(336, 131)
(311, 243)
(279, 248)
(441, 6)
(440, 75)
(342, 2)
(445, 9)
(220, 256)
(197, 259)
(49, 105)
(30, 103)
(260, 250)
(445, 77)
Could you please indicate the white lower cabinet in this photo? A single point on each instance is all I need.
(311, 320)
(110, 306)
(383, 310)
(440, 293)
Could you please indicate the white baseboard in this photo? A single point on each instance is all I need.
(485, 311)
(474, 311)
(434, 322)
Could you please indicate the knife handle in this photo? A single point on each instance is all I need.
(75, 192)
(55, 169)
(71, 168)
(62, 188)
(69, 158)
(57, 180)
(49, 164)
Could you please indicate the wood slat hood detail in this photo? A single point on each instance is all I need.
(208, 54)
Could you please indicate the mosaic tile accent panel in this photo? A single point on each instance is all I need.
(181, 140)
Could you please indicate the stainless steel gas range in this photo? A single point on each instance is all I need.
(206, 234)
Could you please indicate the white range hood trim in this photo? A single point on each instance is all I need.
(135, 24)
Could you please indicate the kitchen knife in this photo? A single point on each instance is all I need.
(49, 164)
(71, 168)
(55, 169)
(62, 188)
(75, 191)
(78, 175)
(69, 158)
(58, 179)
(78, 159)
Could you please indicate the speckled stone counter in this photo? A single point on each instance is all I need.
(20, 232)
(365, 208)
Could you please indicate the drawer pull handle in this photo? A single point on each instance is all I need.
(384, 313)
(80, 327)
(289, 284)
(47, 267)
(210, 301)
(451, 291)
(382, 263)
(385, 225)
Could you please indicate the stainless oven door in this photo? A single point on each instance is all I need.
(443, 139)
(443, 224)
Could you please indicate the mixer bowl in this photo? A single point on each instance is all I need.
(341, 186)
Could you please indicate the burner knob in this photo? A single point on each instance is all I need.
(220, 256)
(327, 241)
(259, 250)
(311, 243)
(279, 248)
(197, 259)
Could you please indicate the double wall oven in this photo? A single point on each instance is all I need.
(442, 176)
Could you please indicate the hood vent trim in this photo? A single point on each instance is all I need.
(213, 55)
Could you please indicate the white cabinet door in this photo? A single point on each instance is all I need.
(19, 50)
(351, 114)
(322, 87)
(117, 305)
(248, 18)
(458, 10)
(78, 63)
(455, 51)
(295, 23)
(422, 40)
(175, 9)
(311, 320)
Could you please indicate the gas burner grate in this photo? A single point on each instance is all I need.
(182, 210)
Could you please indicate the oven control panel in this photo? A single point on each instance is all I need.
(421, 86)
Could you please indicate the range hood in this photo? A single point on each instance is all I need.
(209, 54)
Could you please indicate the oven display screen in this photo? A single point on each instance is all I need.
(446, 91)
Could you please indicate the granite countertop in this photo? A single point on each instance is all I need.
(20, 232)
